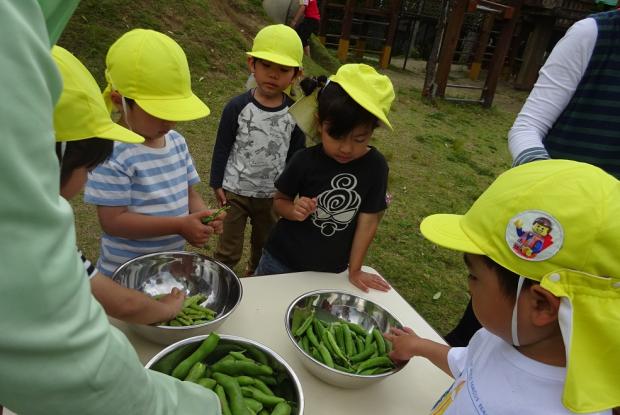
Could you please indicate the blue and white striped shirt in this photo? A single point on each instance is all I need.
(149, 181)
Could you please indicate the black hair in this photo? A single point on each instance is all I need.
(130, 102)
(508, 280)
(336, 108)
(254, 60)
(87, 153)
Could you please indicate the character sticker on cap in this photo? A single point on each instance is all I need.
(534, 235)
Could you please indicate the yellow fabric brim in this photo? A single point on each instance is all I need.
(275, 58)
(170, 109)
(119, 133)
(445, 230)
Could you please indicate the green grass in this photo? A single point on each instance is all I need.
(441, 157)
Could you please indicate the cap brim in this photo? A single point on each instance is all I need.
(181, 109)
(445, 230)
(119, 133)
(272, 57)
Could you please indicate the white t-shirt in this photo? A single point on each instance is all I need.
(493, 378)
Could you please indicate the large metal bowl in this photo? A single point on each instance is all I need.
(288, 387)
(191, 272)
(332, 305)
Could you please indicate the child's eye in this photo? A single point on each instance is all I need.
(471, 277)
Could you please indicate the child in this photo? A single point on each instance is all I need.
(84, 132)
(331, 196)
(145, 193)
(255, 138)
(550, 338)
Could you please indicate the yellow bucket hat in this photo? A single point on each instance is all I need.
(373, 91)
(80, 113)
(556, 221)
(279, 44)
(151, 68)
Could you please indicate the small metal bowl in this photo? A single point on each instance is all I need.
(288, 387)
(334, 305)
(158, 273)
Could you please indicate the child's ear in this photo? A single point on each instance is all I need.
(251, 64)
(545, 306)
(117, 100)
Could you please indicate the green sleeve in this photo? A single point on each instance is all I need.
(59, 354)
(57, 14)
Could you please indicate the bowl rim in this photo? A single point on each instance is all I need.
(217, 319)
(333, 370)
(230, 337)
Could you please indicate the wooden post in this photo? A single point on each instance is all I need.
(360, 45)
(429, 88)
(497, 62)
(345, 36)
(535, 52)
(386, 53)
(323, 22)
(483, 41)
(448, 46)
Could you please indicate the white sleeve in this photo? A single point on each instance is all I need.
(456, 360)
(557, 81)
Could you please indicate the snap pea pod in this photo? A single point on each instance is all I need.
(215, 214)
(338, 335)
(282, 409)
(379, 340)
(311, 337)
(374, 362)
(349, 347)
(241, 367)
(304, 326)
(233, 392)
(207, 346)
(207, 383)
(221, 394)
(305, 343)
(359, 344)
(196, 372)
(298, 318)
(318, 328)
(365, 354)
(267, 400)
(335, 347)
(326, 357)
(253, 404)
(357, 329)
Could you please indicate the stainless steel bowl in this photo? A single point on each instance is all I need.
(333, 305)
(191, 272)
(288, 387)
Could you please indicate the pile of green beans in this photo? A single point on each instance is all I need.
(242, 378)
(192, 313)
(342, 345)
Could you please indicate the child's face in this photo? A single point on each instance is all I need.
(145, 124)
(74, 184)
(348, 148)
(491, 306)
(271, 78)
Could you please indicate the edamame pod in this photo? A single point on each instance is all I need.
(262, 386)
(207, 346)
(253, 404)
(267, 400)
(219, 391)
(196, 372)
(233, 392)
(241, 367)
(207, 383)
(282, 409)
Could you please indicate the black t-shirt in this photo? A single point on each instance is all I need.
(323, 241)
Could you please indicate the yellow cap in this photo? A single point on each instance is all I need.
(373, 91)
(279, 44)
(80, 112)
(556, 221)
(151, 68)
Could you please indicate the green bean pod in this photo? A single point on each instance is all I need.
(196, 372)
(207, 346)
(267, 400)
(282, 409)
(221, 394)
(233, 392)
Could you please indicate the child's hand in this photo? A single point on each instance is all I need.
(365, 280)
(404, 344)
(174, 302)
(303, 207)
(196, 232)
(220, 196)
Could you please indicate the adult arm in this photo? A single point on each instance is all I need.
(59, 352)
(556, 84)
(134, 306)
(365, 230)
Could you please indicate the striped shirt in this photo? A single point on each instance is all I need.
(91, 271)
(149, 181)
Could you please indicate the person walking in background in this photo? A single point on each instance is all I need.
(255, 138)
(331, 196)
(306, 22)
(145, 195)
